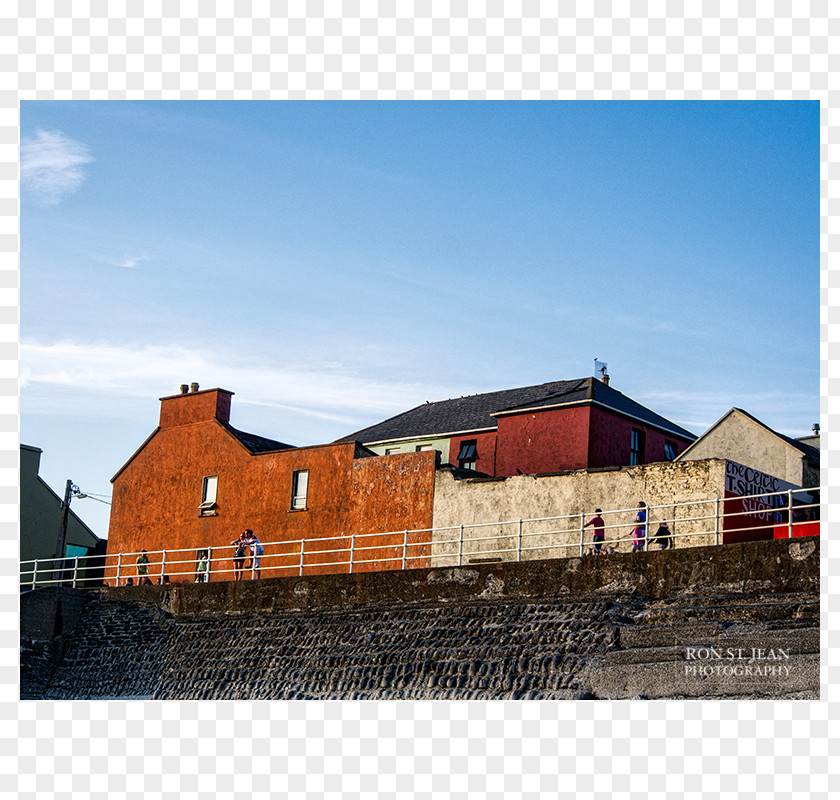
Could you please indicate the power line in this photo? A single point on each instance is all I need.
(76, 492)
(91, 497)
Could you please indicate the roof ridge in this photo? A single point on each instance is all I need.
(512, 389)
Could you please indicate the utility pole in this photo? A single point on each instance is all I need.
(70, 491)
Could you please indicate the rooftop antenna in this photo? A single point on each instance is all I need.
(601, 371)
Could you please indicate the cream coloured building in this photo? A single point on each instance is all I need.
(741, 437)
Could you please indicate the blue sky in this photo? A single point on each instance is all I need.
(335, 263)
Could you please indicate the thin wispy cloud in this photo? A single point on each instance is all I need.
(331, 392)
(51, 165)
(130, 262)
(125, 261)
(326, 391)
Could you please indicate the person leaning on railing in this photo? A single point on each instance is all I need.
(250, 539)
(202, 569)
(142, 568)
(238, 557)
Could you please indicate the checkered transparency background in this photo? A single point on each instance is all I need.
(478, 50)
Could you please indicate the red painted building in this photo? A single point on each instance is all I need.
(197, 483)
(554, 427)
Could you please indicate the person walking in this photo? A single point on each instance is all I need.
(597, 524)
(640, 530)
(662, 537)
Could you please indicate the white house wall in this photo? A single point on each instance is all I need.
(681, 493)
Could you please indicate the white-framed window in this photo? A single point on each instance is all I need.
(208, 495)
(389, 451)
(421, 447)
(300, 484)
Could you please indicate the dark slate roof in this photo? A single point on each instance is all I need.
(256, 444)
(600, 392)
(479, 411)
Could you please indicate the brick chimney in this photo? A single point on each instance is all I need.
(195, 406)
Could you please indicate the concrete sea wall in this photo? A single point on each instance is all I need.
(662, 624)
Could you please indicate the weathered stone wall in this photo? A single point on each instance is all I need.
(588, 627)
(47, 618)
(681, 493)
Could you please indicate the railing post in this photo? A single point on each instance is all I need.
(673, 526)
(162, 566)
(209, 561)
(119, 567)
(302, 545)
(790, 513)
(35, 573)
(717, 520)
(75, 570)
(461, 545)
(405, 547)
(582, 531)
(519, 545)
(352, 549)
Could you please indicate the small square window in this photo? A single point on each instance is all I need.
(208, 496)
(467, 450)
(300, 484)
(467, 455)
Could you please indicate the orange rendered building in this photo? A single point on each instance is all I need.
(197, 483)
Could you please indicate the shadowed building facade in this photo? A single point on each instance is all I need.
(40, 517)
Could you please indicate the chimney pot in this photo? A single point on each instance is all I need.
(184, 388)
(193, 387)
(816, 429)
(606, 379)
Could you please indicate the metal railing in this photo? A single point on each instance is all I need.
(690, 523)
